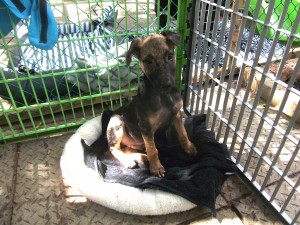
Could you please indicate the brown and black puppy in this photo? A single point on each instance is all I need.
(156, 105)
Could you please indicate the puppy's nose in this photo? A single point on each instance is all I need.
(166, 86)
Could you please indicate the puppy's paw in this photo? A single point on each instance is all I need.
(157, 169)
(131, 161)
(190, 149)
(130, 164)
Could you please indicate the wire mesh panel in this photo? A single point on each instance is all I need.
(243, 72)
(84, 73)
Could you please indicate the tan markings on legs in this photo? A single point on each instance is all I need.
(155, 166)
(182, 136)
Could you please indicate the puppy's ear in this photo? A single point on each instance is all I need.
(134, 49)
(171, 36)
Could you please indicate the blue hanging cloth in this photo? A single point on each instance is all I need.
(42, 31)
(7, 19)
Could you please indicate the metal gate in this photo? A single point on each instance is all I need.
(243, 72)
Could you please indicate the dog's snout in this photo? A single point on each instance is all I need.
(167, 85)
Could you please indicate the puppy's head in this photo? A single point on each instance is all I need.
(157, 58)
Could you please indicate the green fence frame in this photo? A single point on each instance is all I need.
(35, 119)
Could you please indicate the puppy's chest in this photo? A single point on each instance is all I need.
(170, 103)
(166, 107)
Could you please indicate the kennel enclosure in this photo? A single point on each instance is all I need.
(235, 74)
(230, 66)
(84, 69)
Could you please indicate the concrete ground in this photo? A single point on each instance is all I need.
(32, 192)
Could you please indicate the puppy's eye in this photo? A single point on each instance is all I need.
(148, 61)
(170, 56)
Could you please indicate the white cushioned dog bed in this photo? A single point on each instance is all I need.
(116, 196)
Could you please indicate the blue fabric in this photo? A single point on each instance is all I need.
(6, 19)
(21, 12)
(43, 32)
(35, 27)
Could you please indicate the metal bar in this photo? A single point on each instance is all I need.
(207, 37)
(282, 178)
(296, 218)
(288, 129)
(252, 31)
(65, 74)
(259, 92)
(224, 68)
(216, 71)
(212, 48)
(200, 68)
(190, 75)
(181, 28)
(268, 104)
(238, 88)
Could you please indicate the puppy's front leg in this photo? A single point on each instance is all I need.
(184, 141)
(155, 166)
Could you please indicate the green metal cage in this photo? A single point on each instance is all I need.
(56, 90)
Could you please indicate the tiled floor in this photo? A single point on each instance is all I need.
(32, 192)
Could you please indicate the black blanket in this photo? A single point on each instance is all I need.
(198, 179)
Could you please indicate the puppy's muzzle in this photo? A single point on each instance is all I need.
(166, 87)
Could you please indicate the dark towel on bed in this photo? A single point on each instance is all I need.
(198, 179)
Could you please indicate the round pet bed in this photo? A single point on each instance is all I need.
(116, 196)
